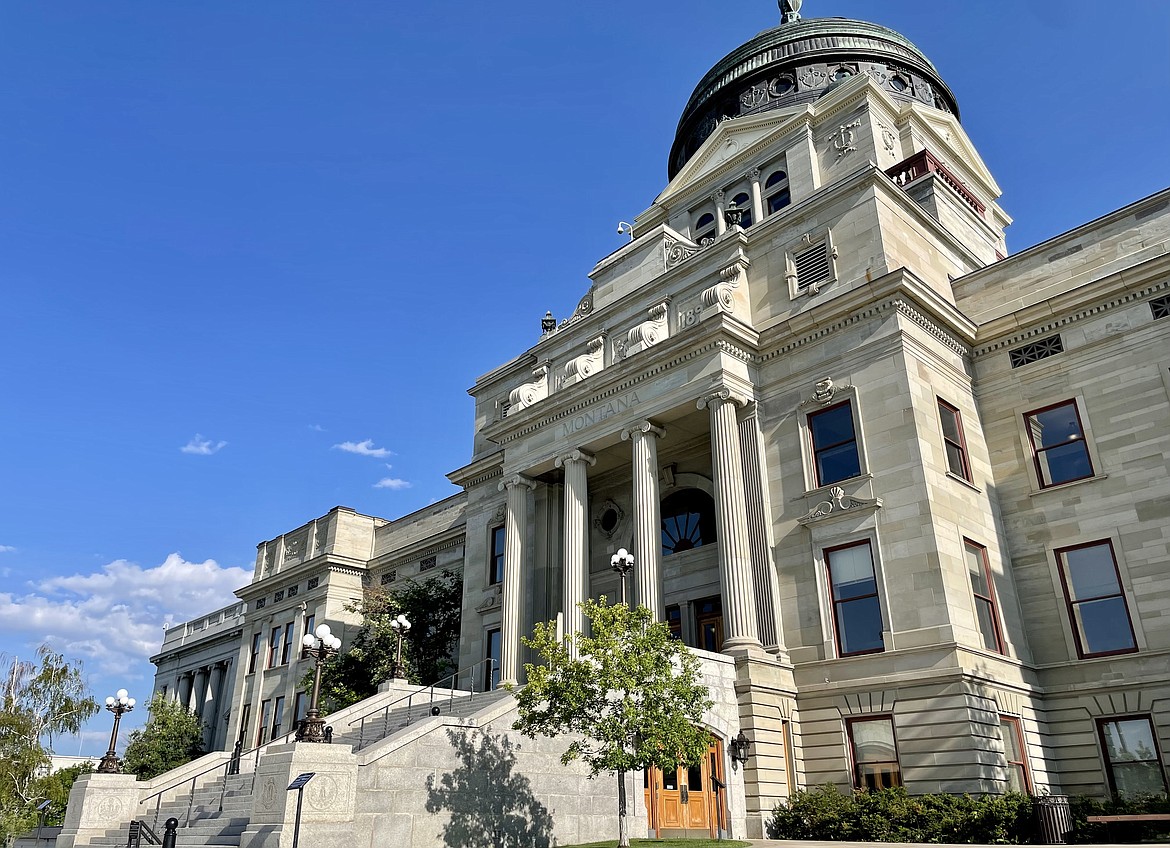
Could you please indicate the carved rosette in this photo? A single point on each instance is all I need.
(531, 393)
(824, 393)
(651, 332)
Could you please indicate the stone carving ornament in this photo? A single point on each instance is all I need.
(651, 332)
(722, 294)
(838, 503)
(588, 363)
(531, 393)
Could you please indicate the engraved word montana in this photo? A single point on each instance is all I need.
(598, 413)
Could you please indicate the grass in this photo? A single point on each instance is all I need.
(667, 843)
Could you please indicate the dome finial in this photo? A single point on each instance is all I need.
(790, 10)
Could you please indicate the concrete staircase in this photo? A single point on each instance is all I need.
(202, 822)
(362, 734)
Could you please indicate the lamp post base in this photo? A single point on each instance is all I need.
(312, 728)
(109, 764)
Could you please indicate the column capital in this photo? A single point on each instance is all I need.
(513, 481)
(576, 455)
(646, 428)
(723, 395)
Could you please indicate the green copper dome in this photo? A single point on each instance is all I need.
(796, 63)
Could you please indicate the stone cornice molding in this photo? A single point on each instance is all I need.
(515, 481)
(478, 471)
(1071, 318)
(646, 428)
(576, 455)
(404, 556)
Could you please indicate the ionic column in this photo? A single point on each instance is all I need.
(576, 464)
(735, 565)
(647, 517)
(515, 535)
(195, 701)
(757, 196)
(720, 221)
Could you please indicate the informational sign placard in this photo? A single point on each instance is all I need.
(301, 780)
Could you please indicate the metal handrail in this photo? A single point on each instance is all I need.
(429, 691)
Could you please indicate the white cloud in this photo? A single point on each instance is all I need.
(392, 483)
(114, 617)
(202, 447)
(365, 448)
(7, 549)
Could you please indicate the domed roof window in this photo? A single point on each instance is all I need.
(763, 74)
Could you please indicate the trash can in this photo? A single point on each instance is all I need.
(1055, 818)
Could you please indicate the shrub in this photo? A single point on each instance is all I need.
(893, 815)
(1084, 831)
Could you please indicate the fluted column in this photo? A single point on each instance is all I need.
(195, 702)
(720, 221)
(576, 464)
(757, 196)
(515, 535)
(183, 688)
(647, 517)
(735, 565)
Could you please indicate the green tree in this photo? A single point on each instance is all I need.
(55, 787)
(173, 735)
(433, 607)
(629, 693)
(41, 700)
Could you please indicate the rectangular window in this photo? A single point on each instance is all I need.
(491, 651)
(1058, 441)
(983, 591)
(496, 567)
(286, 651)
(278, 718)
(875, 753)
(255, 653)
(245, 720)
(674, 621)
(1035, 351)
(300, 708)
(307, 630)
(1160, 307)
(789, 754)
(834, 443)
(1015, 752)
(709, 623)
(274, 647)
(956, 444)
(857, 615)
(1096, 604)
(1132, 761)
(265, 718)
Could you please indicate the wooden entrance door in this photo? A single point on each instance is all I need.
(685, 801)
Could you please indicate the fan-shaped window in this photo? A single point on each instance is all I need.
(744, 204)
(688, 521)
(776, 191)
(705, 228)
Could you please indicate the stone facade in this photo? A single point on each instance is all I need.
(905, 493)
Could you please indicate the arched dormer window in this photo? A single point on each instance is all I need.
(688, 521)
(705, 228)
(776, 193)
(743, 202)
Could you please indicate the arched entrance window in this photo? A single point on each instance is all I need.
(688, 521)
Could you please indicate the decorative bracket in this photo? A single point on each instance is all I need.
(587, 364)
(649, 333)
(531, 393)
(721, 296)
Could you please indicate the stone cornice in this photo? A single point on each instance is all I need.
(432, 545)
(1046, 309)
(478, 471)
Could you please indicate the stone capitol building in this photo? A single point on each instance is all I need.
(905, 495)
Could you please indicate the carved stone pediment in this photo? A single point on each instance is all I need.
(838, 505)
(491, 600)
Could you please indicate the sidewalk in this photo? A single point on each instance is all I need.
(802, 843)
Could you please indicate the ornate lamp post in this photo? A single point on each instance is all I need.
(320, 645)
(118, 704)
(400, 625)
(622, 562)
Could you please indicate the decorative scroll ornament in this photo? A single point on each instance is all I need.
(584, 308)
(721, 296)
(677, 251)
(491, 600)
(838, 504)
(844, 140)
(649, 333)
(587, 364)
(824, 393)
(511, 482)
(531, 393)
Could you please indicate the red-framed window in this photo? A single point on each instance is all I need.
(286, 651)
(834, 444)
(1133, 763)
(873, 750)
(1097, 609)
(953, 440)
(983, 591)
(255, 659)
(1015, 751)
(274, 647)
(857, 614)
(1059, 449)
(307, 630)
(496, 565)
(278, 718)
(265, 718)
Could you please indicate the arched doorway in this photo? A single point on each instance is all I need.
(688, 802)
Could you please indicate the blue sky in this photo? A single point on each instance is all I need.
(253, 255)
